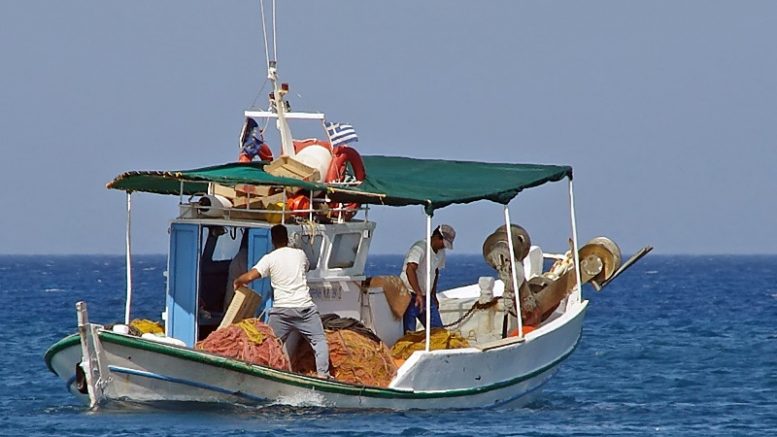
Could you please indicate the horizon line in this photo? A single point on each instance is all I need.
(448, 254)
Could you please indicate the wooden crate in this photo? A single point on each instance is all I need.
(251, 202)
(290, 168)
(223, 190)
(255, 190)
(243, 306)
(240, 193)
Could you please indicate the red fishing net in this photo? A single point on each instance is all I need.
(251, 341)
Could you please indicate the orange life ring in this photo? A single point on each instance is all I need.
(265, 154)
(341, 157)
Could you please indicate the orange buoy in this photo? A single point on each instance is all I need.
(298, 202)
(526, 329)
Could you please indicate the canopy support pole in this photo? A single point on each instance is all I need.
(516, 287)
(310, 197)
(575, 248)
(428, 280)
(129, 260)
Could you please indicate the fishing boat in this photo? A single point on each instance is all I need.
(323, 193)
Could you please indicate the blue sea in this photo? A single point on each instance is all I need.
(676, 346)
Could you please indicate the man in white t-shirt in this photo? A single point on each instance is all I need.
(293, 308)
(414, 276)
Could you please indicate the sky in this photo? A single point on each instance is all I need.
(666, 110)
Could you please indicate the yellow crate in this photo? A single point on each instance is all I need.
(273, 217)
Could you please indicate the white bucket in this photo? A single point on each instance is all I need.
(121, 329)
(317, 157)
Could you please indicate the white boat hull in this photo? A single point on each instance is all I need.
(506, 375)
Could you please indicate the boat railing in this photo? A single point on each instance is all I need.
(276, 214)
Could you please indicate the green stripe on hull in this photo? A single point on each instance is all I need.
(292, 378)
(65, 343)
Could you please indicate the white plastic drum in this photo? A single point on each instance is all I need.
(213, 205)
(317, 157)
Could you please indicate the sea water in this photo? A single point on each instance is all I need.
(678, 345)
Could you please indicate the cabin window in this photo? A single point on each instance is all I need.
(311, 245)
(220, 245)
(344, 250)
(227, 245)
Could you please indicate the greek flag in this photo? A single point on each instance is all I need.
(340, 133)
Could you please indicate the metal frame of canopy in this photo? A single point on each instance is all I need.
(428, 279)
(511, 246)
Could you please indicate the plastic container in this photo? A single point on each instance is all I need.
(213, 205)
(121, 329)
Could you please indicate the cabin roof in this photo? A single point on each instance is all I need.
(390, 180)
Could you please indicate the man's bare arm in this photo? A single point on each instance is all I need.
(245, 278)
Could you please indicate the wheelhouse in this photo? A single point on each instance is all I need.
(203, 251)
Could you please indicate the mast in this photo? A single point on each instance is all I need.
(279, 104)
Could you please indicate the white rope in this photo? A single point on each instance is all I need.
(264, 33)
(274, 37)
(575, 247)
(259, 94)
(509, 231)
(129, 260)
(428, 279)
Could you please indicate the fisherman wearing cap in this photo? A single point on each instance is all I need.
(414, 276)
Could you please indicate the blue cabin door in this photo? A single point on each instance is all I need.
(259, 244)
(181, 298)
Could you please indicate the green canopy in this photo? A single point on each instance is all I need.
(196, 181)
(390, 180)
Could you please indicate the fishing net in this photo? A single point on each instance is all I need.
(333, 322)
(439, 338)
(144, 326)
(355, 356)
(251, 341)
